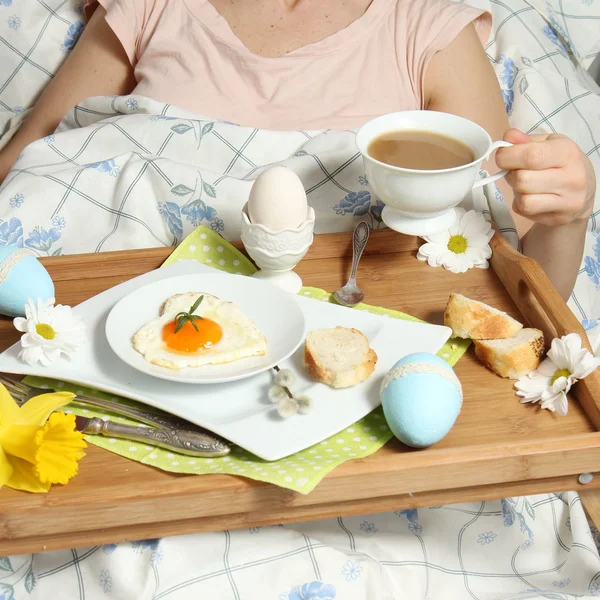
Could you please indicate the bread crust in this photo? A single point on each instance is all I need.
(342, 378)
(471, 319)
(514, 363)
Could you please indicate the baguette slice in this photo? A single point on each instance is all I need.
(513, 357)
(472, 319)
(339, 357)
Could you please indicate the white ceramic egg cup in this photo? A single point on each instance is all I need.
(277, 252)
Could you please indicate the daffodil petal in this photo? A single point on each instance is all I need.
(8, 407)
(20, 441)
(37, 410)
(23, 477)
(60, 448)
(5, 468)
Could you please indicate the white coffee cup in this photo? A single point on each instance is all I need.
(421, 202)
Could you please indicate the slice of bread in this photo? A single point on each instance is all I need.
(471, 319)
(513, 357)
(339, 357)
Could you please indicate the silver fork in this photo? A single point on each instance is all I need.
(21, 392)
(350, 294)
(172, 433)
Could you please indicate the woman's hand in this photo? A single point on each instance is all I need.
(553, 180)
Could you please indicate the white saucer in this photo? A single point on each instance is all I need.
(402, 223)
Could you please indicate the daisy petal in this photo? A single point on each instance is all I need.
(30, 355)
(432, 260)
(587, 365)
(562, 384)
(440, 239)
(454, 229)
(572, 342)
(471, 224)
(20, 324)
(479, 241)
(478, 254)
(531, 389)
(451, 263)
(549, 402)
(461, 263)
(559, 354)
(547, 367)
(430, 249)
(562, 405)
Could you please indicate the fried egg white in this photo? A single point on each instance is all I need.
(225, 334)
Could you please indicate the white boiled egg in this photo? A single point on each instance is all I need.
(278, 200)
(224, 334)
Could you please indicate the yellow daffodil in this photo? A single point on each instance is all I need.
(37, 448)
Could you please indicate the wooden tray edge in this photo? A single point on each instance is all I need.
(542, 306)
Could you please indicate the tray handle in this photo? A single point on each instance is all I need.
(542, 307)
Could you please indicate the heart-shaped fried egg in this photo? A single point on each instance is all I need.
(218, 332)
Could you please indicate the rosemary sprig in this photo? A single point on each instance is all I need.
(183, 317)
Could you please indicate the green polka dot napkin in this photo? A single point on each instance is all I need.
(300, 472)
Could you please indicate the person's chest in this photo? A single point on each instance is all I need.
(273, 28)
(189, 57)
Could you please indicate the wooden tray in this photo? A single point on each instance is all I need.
(497, 448)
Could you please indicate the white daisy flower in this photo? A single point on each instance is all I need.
(48, 332)
(464, 246)
(566, 363)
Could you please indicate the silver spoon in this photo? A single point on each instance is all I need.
(350, 294)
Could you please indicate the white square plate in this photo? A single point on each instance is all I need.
(240, 411)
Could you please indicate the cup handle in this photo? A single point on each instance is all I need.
(500, 174)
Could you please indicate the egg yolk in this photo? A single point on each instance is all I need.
(187, 339)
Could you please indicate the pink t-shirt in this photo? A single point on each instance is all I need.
(184, 53)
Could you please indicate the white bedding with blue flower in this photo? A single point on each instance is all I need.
(516, 548)
(131, 173)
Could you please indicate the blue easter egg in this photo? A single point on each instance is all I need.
(22, 276)
(420, 404)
